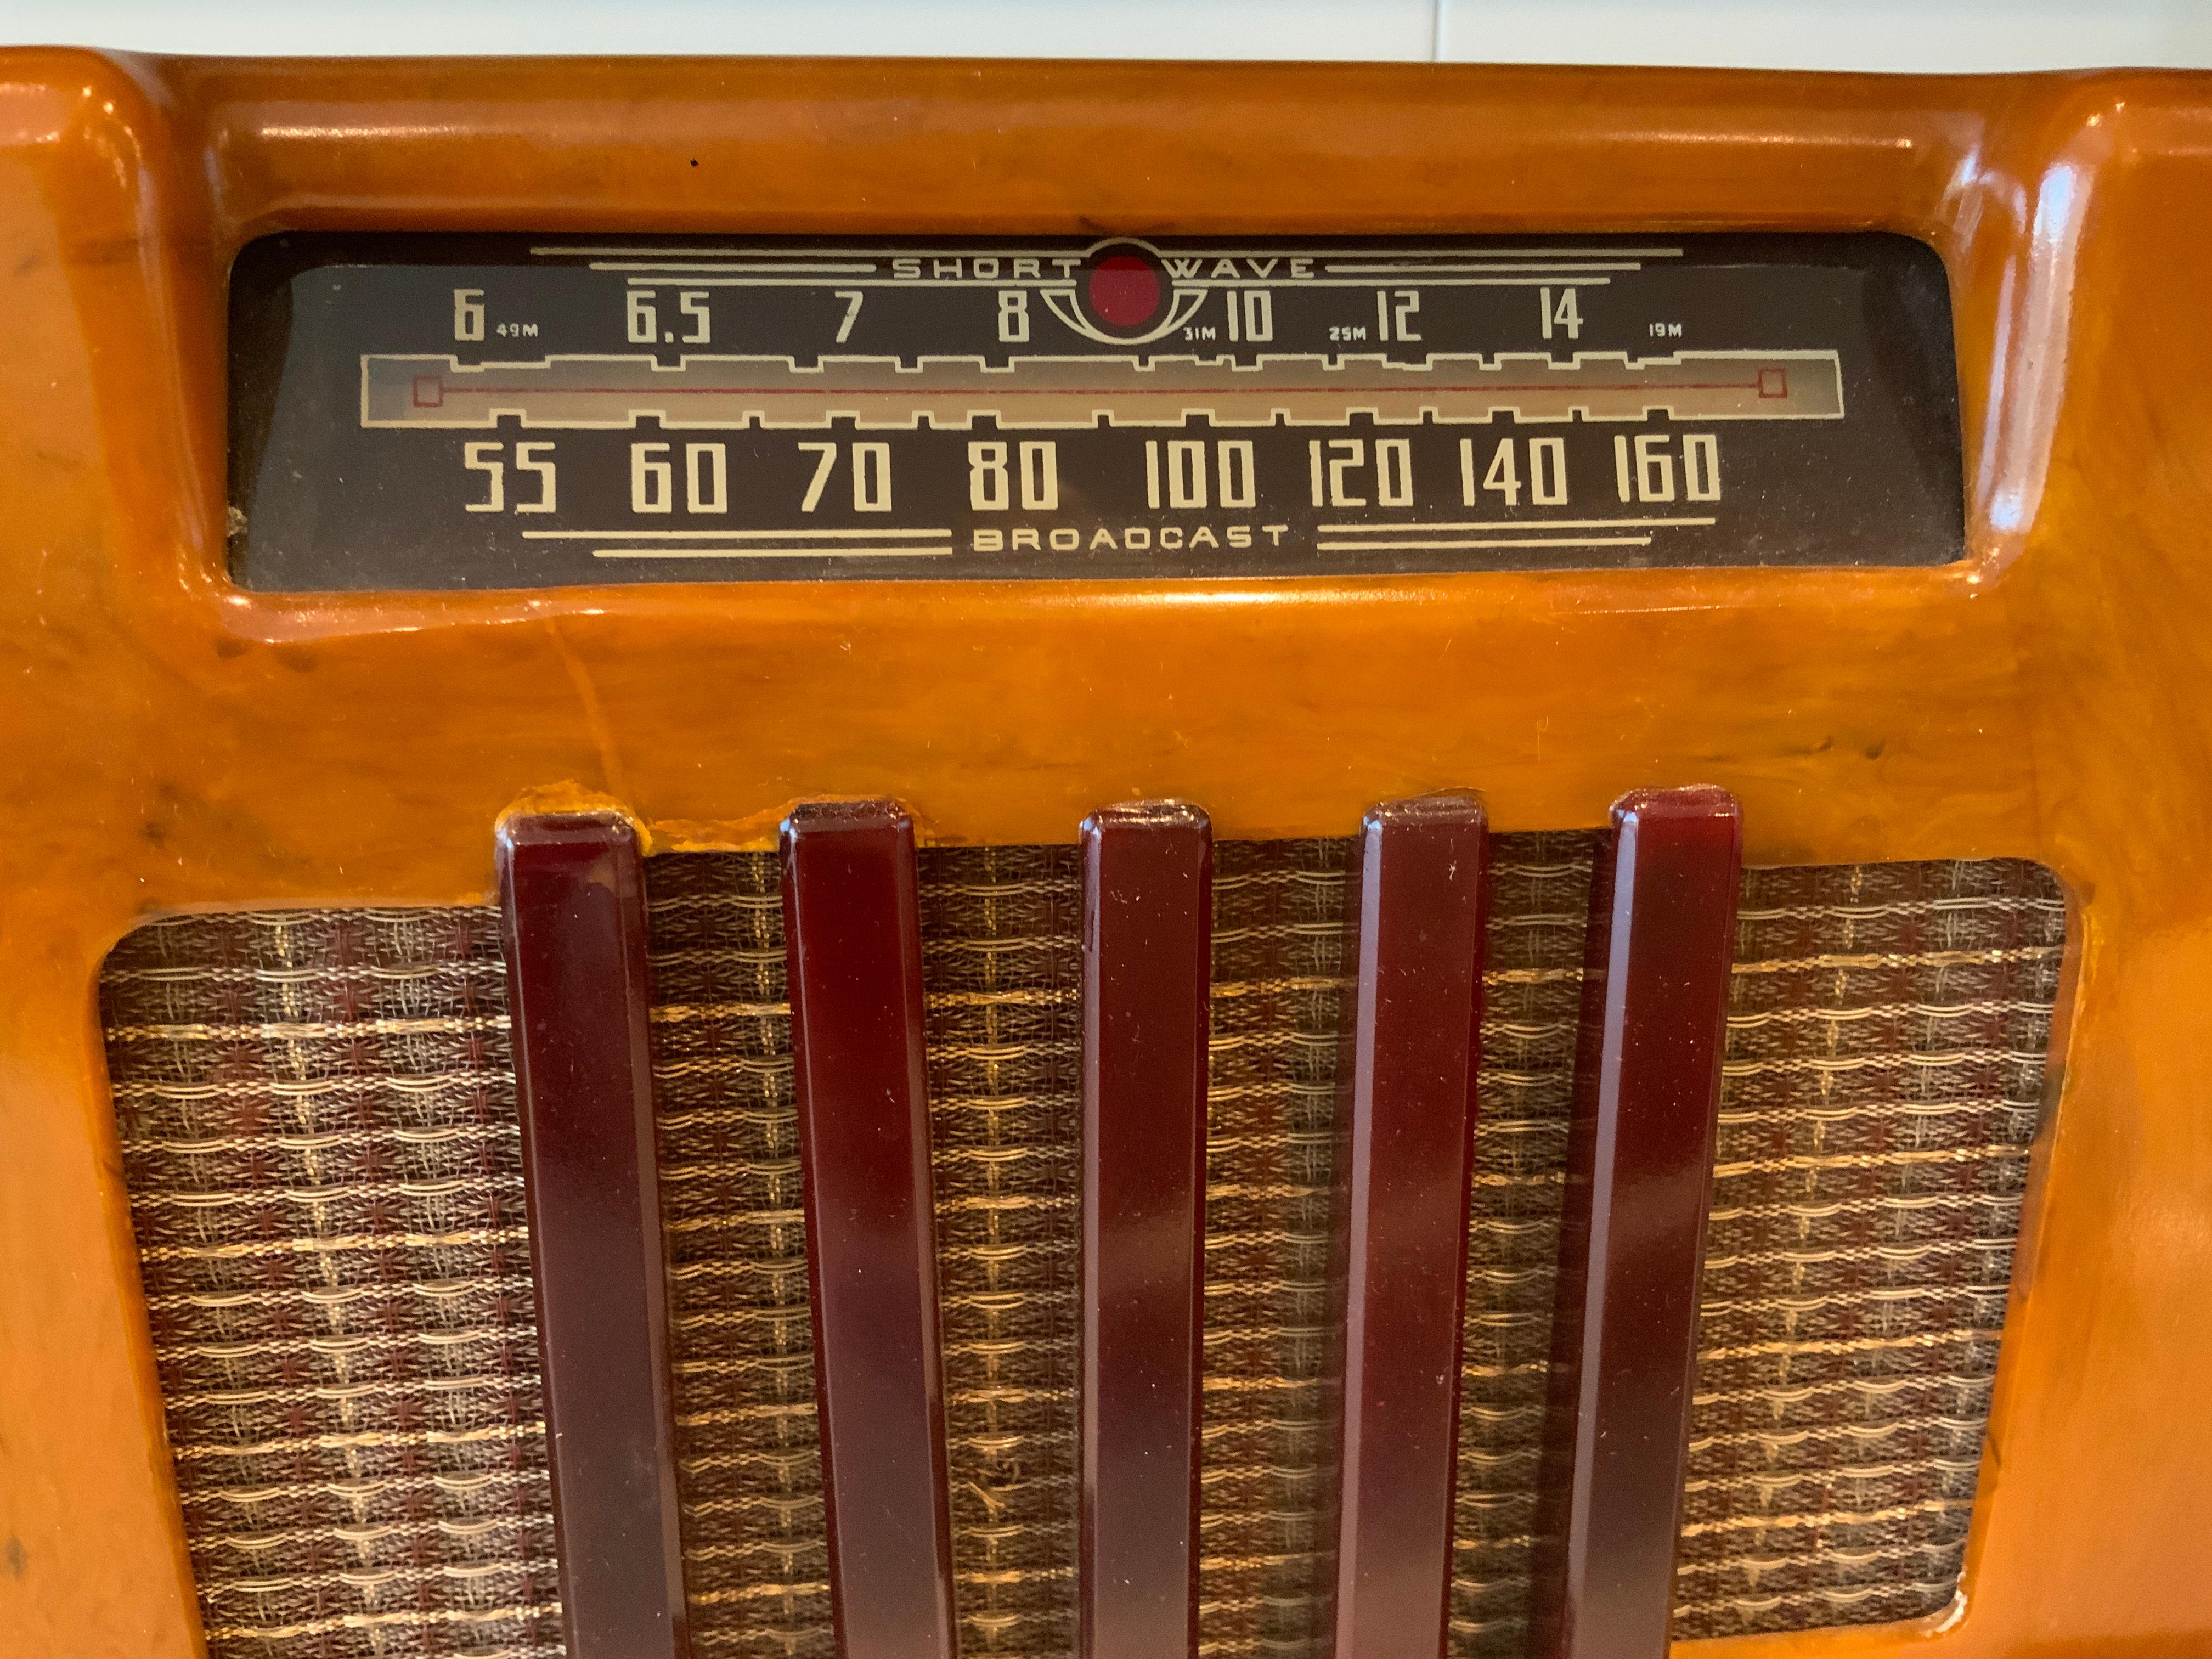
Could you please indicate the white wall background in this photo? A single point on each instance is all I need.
(1930, 35)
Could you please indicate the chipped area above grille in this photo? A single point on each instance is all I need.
(318, 1121)
(319, 1129)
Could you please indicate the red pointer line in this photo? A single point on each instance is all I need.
(1059, 391)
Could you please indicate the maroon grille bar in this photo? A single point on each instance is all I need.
(1639, 1182)
(853, 944)
(1147, 946)
(1423, 903)
(572, 892)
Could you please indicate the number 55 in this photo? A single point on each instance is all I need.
(484, 458)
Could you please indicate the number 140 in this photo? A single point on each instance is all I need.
(1547, 473)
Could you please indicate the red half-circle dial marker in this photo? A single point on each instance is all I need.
(1123, 290)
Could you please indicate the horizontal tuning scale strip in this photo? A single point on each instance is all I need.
(1638, 1187)
(1147, 948)
(1421, 911)
(852, 945)
(572, 893)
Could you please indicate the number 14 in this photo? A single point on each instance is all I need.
(1565, 315)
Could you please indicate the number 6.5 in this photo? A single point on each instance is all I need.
(641, 323)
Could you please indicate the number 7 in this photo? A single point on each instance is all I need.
(851, 310)
(829, 455)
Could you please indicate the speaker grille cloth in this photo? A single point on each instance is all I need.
(1003, 970)
(1271, 1113)
(1532, 988)
(319, 1126)
(741, 1336)
(318, 1119)
(1887, 1037)
(1887, 1031)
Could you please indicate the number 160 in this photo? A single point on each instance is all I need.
(1651, 475)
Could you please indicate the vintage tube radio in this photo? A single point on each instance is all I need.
(1012, 860)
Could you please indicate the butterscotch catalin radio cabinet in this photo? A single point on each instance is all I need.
(925, 860)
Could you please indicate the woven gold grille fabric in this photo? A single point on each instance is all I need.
(748, 1451)
(318, 1123)
(1271, 1113)
(1002, 972)
(1887, 1035)
(1003, 982)
(1532, 986)
(318, 1130)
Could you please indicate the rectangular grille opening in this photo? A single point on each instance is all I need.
(319, 1134)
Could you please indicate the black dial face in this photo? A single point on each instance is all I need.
(415, 411)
